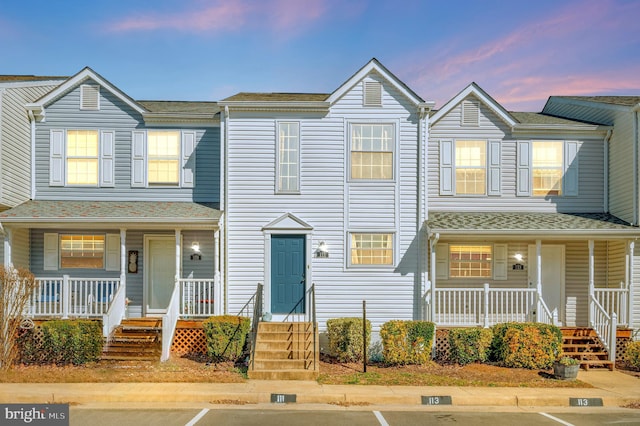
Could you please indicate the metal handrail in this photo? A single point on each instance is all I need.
(253, 309)
(309, 315)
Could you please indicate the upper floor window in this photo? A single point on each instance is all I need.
(82, 157)
(371, 249)
(163, 157)
(471, 167)
(547, 168)
(372, 148)
(288, 168)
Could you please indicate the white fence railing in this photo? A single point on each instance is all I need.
(169, 321)
(605, 326)
(73, 297)
(197, 297)
(614, 300)
(485, 306)
(113, 317)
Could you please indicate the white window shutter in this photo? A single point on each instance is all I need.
(56, 158)
(500, 262)
(442, 261)
(524, 169)
(107, 163)
(570, 180)
(494, 181)
(112, 251)
(188, 158)
(138, 159)
(447, 177)
(50, 252)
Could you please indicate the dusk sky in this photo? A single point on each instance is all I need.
(520, 52)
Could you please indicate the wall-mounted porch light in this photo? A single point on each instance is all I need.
(519, 266)
(323, 250)
(195, 246)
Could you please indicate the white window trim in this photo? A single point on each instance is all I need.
(396, 149)
(279, 191)
(394, 247)
(570, 168)
(485, 167)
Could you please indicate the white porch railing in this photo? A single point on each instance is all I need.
(115, 313)
(605, 326)
(614, 300)
(169, 321)
(197, 297)
(78, 297)
(485, 306)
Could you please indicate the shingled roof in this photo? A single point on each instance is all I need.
(180, 107)
(277, 97)
(614, 100)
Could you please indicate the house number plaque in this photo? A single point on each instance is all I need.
(436, 400)
(283, 398)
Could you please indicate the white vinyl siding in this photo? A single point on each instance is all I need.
(288, 159)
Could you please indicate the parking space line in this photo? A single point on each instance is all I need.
(556, 419)
(198, 417)
(380, 418)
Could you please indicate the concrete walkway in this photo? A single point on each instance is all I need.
(614, 388)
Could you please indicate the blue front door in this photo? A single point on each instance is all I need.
(287, 273)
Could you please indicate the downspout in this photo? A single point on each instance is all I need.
(32, 119)
(607, 138)
(225, 210)
(636, 140)
(433, 241)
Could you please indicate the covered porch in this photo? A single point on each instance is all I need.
(112, 260)
(562, 269)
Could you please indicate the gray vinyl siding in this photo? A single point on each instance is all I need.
(328, 201)
(590, 196)
(15, 141)
(20, 248)
(620, 147)
(115, 115)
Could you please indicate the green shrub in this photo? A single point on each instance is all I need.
(345, 338)
(633, 354)
(469, 345)
(226, 336)
(526, 345)
(407, 342)
(62, 342)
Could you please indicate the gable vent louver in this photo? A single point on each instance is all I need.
(89, 97)
(470, 113)
(372, 93)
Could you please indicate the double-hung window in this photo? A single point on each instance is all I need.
(372, 147)
(470, 261)
(82, 157)
(288, 167)
(547, 168)
(371, 249)
(163, 157)
(82, 251)
(471, 167)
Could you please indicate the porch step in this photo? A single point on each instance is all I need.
(134, 340)
(284, 351)
(583, 344)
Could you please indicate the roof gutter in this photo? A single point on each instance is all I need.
(549, 233)
(605, 202)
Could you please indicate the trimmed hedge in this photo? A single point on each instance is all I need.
(407, 342)
(345, 338)
(226, 336)
(526, 345)
(63, 342)
(468, 345)
(633, 354)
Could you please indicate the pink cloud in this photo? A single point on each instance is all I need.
(275, 15)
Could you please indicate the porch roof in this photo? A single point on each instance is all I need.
(542, 225)
(99, 213)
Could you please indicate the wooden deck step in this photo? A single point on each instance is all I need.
(134, 340)
(583, 344)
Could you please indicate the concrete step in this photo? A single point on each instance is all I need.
(283, 375)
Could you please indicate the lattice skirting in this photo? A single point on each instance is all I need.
(189, 341)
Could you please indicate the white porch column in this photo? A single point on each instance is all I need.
(178, 262)
(7, 247)
(538, 279)
(630, 285)
(591, 282)
(217, 291)
(432, 289)
(123, 260)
